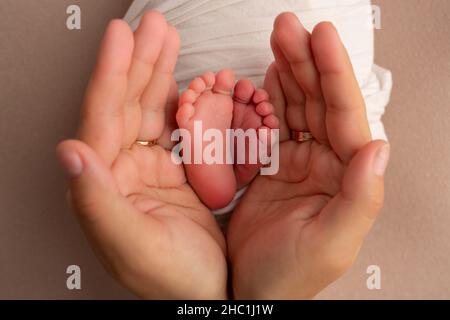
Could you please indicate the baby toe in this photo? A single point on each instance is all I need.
(188, 96)
(224, 82)
(265, 109)
(184, 114)
(198, 85)
(271, 121)
(210, 79)
(243, 91)
(260, 96)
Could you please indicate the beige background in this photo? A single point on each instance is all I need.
(43, 72)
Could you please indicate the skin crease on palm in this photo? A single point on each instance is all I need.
(291, 235)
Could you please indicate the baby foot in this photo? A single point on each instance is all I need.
(252, 110)
(208, 101)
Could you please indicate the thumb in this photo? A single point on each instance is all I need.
(92, 186)
(105, 215)
(109, 221)
(349, 216)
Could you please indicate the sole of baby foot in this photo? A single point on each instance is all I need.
(252, 111)
(208, 102)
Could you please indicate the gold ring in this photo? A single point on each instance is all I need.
(301, 136)
(143, 143)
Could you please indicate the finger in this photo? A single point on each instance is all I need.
(171, 122)
(86, 173)
(293, 41)
(349, 216)
(99, 206)
(102, 116)
(346, 119)
(155, 96)
(273, 87)
(294, 96)
(149, 40)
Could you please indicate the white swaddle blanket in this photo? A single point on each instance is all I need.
(217, 34)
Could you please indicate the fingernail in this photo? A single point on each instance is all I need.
(71, 163)
(381, 160)
(331, 24)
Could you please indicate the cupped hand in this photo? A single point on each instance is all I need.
(296, 232)
(143, 220)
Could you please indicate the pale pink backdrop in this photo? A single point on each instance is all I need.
(44, 69)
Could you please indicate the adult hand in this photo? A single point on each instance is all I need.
(143, 220)
(296, 232)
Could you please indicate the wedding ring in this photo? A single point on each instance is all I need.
(301, 136)
(143, 143)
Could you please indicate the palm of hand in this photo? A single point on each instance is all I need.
(278, 221)
(175, 224)
(298, 231)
